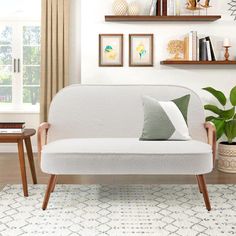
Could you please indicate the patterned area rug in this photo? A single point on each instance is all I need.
(130, 210)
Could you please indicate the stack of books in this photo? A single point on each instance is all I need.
(165, 8)
(196, 49)
(12, 127)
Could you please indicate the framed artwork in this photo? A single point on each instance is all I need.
(141, 50)
(110, 49)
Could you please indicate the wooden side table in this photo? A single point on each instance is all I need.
(20, 139)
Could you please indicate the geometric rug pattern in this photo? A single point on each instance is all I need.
(118, 210)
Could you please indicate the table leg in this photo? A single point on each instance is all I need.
(31, 159)
(22, 166)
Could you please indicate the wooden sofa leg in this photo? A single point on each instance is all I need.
(54, 184)
(48, 191)
(204, 191)
(199, 184)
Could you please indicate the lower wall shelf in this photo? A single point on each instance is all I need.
(170, 62)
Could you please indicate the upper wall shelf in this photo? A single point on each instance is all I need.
(161, 18)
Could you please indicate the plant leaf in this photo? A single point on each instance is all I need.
(217, 94)
(228, 114)
(230, 130)
(225, 114)
(210, 118)
(233, 96)
(213, 109)
(220, 126)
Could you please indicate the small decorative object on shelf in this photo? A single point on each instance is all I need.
(120, 7)
(134, 8)
(193, 6)
(232, 8)
(206, 5)
(176, 48)
(227, 45)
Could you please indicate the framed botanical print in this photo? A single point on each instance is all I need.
(141, 50)
(111, 50)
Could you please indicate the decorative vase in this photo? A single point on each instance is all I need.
(134, 9)
(227, 157)
(120, 7)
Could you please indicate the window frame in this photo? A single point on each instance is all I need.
(17, 105)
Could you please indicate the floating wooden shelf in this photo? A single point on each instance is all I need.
(161, 18)
(169, 62)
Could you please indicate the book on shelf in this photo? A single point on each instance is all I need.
(203, 50)
(12, 125)
(190, 46)
(11, 131)
(153, 8)
(158, 7)
(196, 49)
(209, 58)
(213, 56)
(164, 7)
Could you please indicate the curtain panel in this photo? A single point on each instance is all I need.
(54, 51)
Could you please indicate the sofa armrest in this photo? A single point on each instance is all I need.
(211, 134)
(42, 136)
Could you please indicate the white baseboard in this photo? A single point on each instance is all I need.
(12, 148)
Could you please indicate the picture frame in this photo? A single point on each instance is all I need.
(111, 50)
(141, 50)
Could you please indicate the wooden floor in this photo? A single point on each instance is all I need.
(10, 174)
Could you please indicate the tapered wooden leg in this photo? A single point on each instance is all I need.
(22, 166)
(204, 191)
(48, 192)
(31, 159)
(199, 184)
(54, 184)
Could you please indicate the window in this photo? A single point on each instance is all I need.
(19, 65)
(19, 55)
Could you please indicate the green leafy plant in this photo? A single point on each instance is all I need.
(224, 119)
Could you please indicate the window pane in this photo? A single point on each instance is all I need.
(5, 35)
(5, 75)
(31, 55)
(31, 95)
(31, 75)
(5, 94)
(5, 55)
(31, 35)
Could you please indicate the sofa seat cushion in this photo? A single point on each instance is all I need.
(126, 156)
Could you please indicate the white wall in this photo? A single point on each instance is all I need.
(75, 41)
(195, 77)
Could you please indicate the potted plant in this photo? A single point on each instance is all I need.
(225, 122)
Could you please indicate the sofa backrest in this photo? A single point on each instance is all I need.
(95, 111)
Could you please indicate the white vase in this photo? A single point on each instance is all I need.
(134, 9)
(120, 7)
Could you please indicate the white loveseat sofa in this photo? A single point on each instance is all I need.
(95, 130)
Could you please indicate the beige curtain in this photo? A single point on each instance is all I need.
(54, 51)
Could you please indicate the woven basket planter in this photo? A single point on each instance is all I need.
(227, 158)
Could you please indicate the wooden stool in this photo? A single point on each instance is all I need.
(19, 139)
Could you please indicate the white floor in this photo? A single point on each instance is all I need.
(90, 210)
